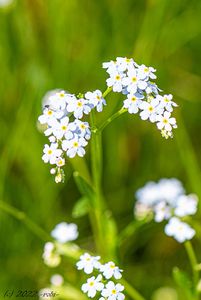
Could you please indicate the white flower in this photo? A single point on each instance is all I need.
(179, 230)
(74, 146)
(51, 258)
(59, 100)
(162, 211)
(166, 102)
(169, 189)
(79, 107)
(113, 292)
(123, 63)
(148, 194)
(186, 205)
(48, 115)
(110, 66)
(51, 153)
(146, 72)
(64, 232)
(82, 129)
(166, 122)
(88, 263)
(92, 286)
(60, 162)
(110, 269)
(61, 128)
(133, 82)
(150, 110)
(115, 81)
(133, 102)
(96, 99)
(56, 280)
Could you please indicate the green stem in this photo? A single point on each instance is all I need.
(113, 117)
(131, 291)
(96, 160)
(109, 89)
(21, 216)
(193, 262)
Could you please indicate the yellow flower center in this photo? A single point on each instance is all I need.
(134, 79)
(63, 127)
(165, 121)
(91, 283)
(98, 97)
(117, 77)
(79, 104)
(49, 112)
(61, 95)
(128, 60)
(82, 126)
(133, 99)
(166, 99)
(49, 151)
(114, 292)
(146, 70)
(151, 108)
(75, 144)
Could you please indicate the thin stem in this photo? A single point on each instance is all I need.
(96, 160)
(107, 91)
(110, 119)
(193, 262)
(131, 291)
(21, 216)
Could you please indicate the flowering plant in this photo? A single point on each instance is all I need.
(69, 122)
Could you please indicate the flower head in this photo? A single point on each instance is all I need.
(113, 292)
(181, 231)
(88, 263)
(64, 232)
(92, 286)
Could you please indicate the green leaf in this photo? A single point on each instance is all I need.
(81, 207)
(183, 281)
(84, 187)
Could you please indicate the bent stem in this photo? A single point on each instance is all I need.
(110, 119)
(193, 262)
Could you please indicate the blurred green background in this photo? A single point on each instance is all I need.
(48, 44)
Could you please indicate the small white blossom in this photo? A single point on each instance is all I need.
(146, 72)
(179, 230)
(79, 107)
(51, 153)
(64, 232)
(88, 263)
(166, 122)
(74, 146)
(92, 286)
(166, 102)
(115, 81)
(113, 292)
(150, 110)
(56, 280)
(51, 258)
(49, 115)
(186, 205)
(96, 99)
(133, 102)
(162, 211)
(133, 82)
(110, 269)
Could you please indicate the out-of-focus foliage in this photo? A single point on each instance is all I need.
(48, 44)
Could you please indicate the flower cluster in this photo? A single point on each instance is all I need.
(66, 132)
(62, 233)
(142, 95)
(167, 200)
(107, 289)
